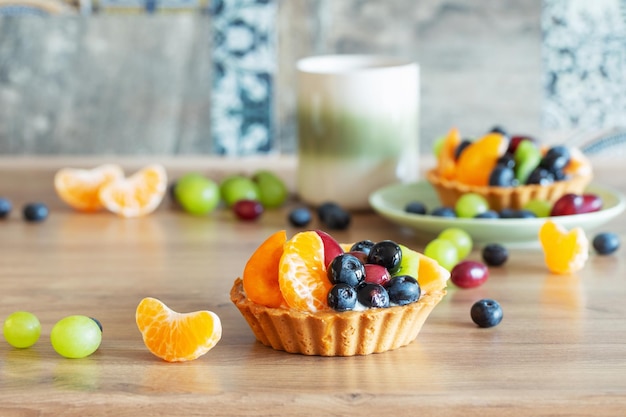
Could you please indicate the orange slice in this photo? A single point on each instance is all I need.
(302, 273)
(564, 251)
(176, 337)
(478, 159)
(137, 195)
(446, 163)
(260, 275)
(430, 275)
(79, 188)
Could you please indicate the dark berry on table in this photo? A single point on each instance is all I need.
(35, 212)
(376, 274)
(469, 274)
(461, 147)
(606, 243)
(248, 209)
(373, 295)
(5, 207)
(540, 176)
(486, 313)
(342, 297)
(556, 159)
(386, 253)
(346, 269)
(502, 176)
(415, 207)
(403, 290)
(494, 254)
(443, 212)
(362, 246)
(300, 217)
(489, 214)
(333, 216)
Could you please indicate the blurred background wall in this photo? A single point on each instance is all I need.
(180, 77)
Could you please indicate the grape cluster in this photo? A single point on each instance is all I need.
(371, 274)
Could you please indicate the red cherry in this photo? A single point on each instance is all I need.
(331, 247)
(469, 274)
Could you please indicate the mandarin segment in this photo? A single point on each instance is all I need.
(137, 195)
(479, 158)
(79, 188)
(431, 276)
(302, 274)
(445, 158)
(260, 275)
(564, 251)
(173, 336)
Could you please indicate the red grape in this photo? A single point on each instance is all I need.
(469, 274)
(376, 274)
(571, 203)
(248, 209)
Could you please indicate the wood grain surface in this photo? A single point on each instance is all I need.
(560, 350)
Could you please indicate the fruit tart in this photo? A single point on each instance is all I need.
(311, 295)
(508, 172)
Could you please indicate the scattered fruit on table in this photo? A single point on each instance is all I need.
(238, 187)
(76, 336)
(486, 313)
(176, 337)
(35, 212)
(564, 251)
(272, 190)
(21, 329)
(300, 217)
(443, 251)
(333, 216)
(196, 193)
(469, 274)
(248, 209)
(137, 195)
(5, 207)
(459, 238)
(494, 254)
(606, 243)
(80, 188)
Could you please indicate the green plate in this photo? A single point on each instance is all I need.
(390, 201)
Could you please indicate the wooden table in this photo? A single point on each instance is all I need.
(560, 350)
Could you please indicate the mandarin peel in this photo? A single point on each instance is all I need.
(565, 252)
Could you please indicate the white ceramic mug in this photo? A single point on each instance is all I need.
(357, 127)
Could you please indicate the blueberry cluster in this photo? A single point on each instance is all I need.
(32, 212)
(369, 274)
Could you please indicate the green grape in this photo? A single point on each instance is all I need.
(460, 239)
(469, 205)
(527, 157)
(197, 194)
(410, 262)
(238, 187)
(21, 329)
(76, 336)
(541, 208)
(443, 251)
(273, 191)
(437, 145)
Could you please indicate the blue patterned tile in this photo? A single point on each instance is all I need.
(243, 65)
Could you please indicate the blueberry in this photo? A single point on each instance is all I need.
(525, 214)
(333, 216)
(5, 207)
(506, 160)
(555, 159)
(495, 254)
(373, 295)
(443, 212)
(362, 246)
(540, 176)
(346, 269)
(300, 217)
(386, 253)
(403, 289)
(508, 213)
(502, 176)
(35, 212)
(415, 207)
(499, 129)
(489, 214)
(606, 243)
(486, 313)
(342, 297)
(461, 147)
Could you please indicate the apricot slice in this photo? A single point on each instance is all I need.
(564, 251)
(479, 158)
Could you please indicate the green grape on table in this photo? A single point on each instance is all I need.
(238, 187)
(460, 239)
(76, 336)
(197, 194)
(21, 329)
(443, 251)
(469, 205)
(272, 190)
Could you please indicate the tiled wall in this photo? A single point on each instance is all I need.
(223, 82)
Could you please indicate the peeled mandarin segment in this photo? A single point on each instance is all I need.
(565, 251)
(446, 162)
(579, 164)
(479, 158)
(430, 275)
(176, 337)
(302, 274)
(79, 188)
(137, 195)
(260, 275)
